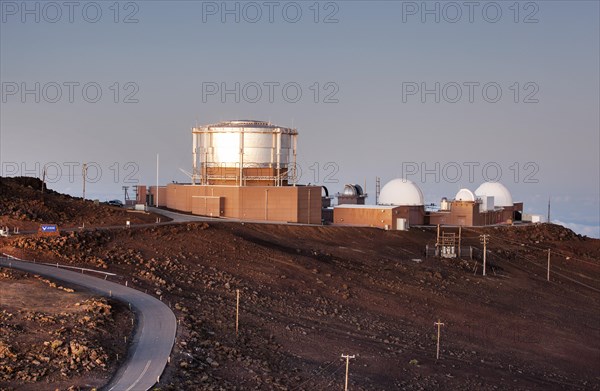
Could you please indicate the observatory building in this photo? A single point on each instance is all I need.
(400, 204)
(244, 170)
(243, 153)
(491, 203)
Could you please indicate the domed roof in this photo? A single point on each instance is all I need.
(464, 195)
(497, 190)
(400, 192)
(352, 190)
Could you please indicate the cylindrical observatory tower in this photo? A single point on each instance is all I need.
(244, 153)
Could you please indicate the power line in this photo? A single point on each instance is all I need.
(554, 251)
(540, 248)
(333, 379)
(535, 262)
(557, 273)
(319, 372)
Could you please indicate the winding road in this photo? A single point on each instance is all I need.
(154, 333)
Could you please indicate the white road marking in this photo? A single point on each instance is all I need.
(140, 377)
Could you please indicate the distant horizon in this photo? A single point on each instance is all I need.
(447, 98)
(582, 229)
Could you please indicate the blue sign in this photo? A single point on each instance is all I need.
(49, 228)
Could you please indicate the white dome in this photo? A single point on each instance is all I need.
(400, 192)
(497, 190)
(464, 195)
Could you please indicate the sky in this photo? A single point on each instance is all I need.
(446, 94)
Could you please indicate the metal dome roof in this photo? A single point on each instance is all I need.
(352, 190)
(401, 192)
(502, 196)
(465, 195)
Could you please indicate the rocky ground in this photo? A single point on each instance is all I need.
(53, 337)
(23, 205)
(310, 294)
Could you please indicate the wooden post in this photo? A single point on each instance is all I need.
(347, 357)
(439, 325)
(237, 311)
(459, 237)
(484, 239)
(484, 253)
(548, 275)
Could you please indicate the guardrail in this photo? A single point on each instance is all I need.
(83, 269)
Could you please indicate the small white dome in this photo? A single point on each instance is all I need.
(400, 192)
(497, 190)
(464, 195)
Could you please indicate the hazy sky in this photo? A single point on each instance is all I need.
(509, 86)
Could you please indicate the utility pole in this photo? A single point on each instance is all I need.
(439, 325)
(126, 196)
(156, 196)
(84, 173)
(347, 357)
(548, 275)
(237, 311)
(484, 240)
(43, 179)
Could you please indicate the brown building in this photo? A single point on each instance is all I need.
(242, 170)
(294, 204)
(153, 196)
(490, 204)
(379, 216)
(468, 214)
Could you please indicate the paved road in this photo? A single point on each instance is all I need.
(188, 218)
(155, 331)
(181, 217)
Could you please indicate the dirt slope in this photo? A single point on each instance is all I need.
(310, 294)
(23, 205)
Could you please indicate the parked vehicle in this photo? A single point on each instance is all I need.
(115, 203)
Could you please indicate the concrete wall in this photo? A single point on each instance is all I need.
(309, 204)
(379, 217)
(207, 206)
(365, 217)
(141, 195)
(162, 195)
(298, 204)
